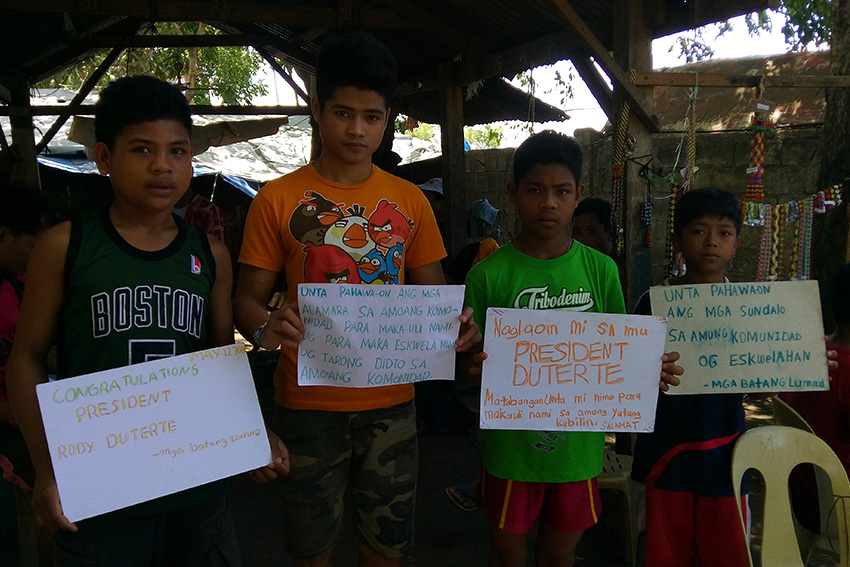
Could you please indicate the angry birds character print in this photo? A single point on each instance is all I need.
(329, 264)
(313, 217)
(344, 244)
(351, 233)
(373, 268)
(387, 226)
(393, 261)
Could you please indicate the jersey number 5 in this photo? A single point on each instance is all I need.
(141, 350)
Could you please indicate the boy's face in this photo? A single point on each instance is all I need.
(589, 230)
(150, 165)
(352, 124)
(545, 200)
(15, 251)
(708, 243)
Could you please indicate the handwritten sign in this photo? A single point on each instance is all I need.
(564, 370)
(363, 336)
(127, 435)
(745, 337)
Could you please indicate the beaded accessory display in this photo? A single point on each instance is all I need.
(646, 219)
(794, 217)
(760, 127)
(691, 177)
(755, 173)
(619, 157)
(765, 244)
(774, 234)
(672, 260)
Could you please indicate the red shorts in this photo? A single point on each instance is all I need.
(514, 506)
(686, 529)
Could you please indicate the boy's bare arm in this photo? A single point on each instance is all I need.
(432, 274)
(28, 363)
(283, 327)
(220, 330)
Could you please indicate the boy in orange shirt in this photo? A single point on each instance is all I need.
(340, 219)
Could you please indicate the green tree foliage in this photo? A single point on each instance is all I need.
(224, 72)
(483, 137)
(806, 22)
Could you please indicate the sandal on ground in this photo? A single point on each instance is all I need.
(464, 498)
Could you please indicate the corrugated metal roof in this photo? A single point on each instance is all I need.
(40, 38)
(728, 108)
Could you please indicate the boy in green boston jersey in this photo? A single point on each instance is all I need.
(128, 284)
(542, 474)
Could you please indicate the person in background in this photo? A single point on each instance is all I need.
(433, 191)
(827, 412)
(21, 220)
(199, 211)
(592, 224)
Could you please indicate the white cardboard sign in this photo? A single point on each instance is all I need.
(363, 336)
(745, 337)
(132, 434)
(554, 370)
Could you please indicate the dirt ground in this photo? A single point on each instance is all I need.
(445, 535)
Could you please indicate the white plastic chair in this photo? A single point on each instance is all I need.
(616, 475)
(774, 451)
(784, 414)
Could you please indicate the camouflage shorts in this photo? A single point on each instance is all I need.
(374, 454)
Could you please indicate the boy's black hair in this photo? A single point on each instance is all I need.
(134, 100)
(707, 201)
(595, 206)
(545, 148)
(358, 60)
(840, 296)
(22, 209)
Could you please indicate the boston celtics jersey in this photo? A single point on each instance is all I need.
(125, 306)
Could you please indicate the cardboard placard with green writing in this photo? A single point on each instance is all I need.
(745, 337)
(573, 371)
(132, 434)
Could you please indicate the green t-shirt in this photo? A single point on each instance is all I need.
(580, 280)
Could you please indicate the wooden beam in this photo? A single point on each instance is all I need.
(192, 10)
(88, 109)
(192, 40)
(597, 84)
(454, 162)
(688, 79)
(632, 50)
(79, 97)
(423, 19)
(418, 85)
(541, 51)
(665, 17)
(68, 54)
(22, 154)
(595, 49)
(284, 75)
(308, 35)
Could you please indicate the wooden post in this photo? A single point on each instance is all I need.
(454, 165)
(633, 50)
(23, 154)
